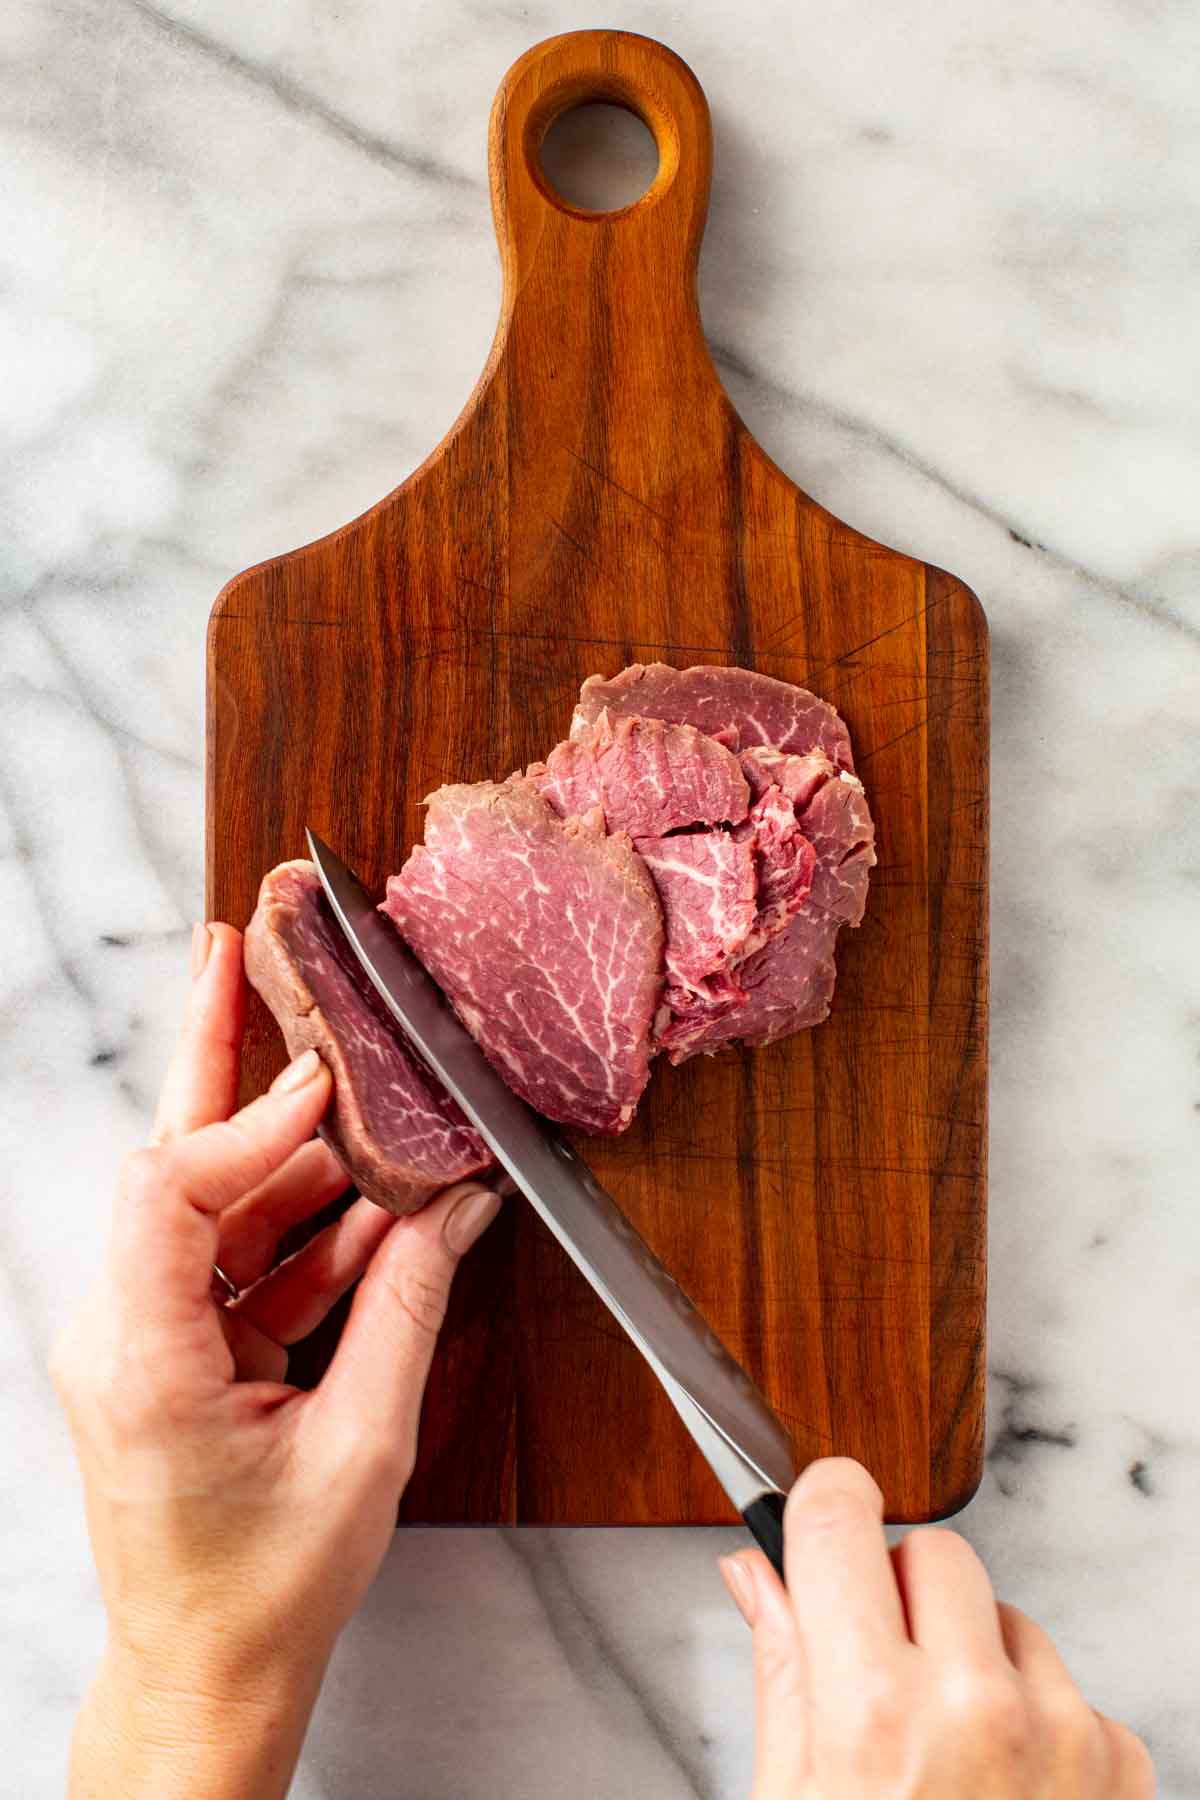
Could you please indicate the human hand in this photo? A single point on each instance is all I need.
(236, 1521)
(896, 1676)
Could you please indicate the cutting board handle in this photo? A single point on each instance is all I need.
(658, 234)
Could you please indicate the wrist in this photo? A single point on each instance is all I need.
(215, 1662)
(220, 1726)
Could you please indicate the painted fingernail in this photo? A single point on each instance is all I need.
(741, 1589)
(202, 943)
(469, 1218)
(297, 1074)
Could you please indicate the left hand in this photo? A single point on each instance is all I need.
(237, 1521)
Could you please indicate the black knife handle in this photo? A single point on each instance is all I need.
(764, 1517)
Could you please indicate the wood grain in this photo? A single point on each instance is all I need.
(600, 502)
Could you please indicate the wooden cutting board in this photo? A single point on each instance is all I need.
(599, 502)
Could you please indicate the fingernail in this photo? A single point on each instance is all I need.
(202, 942)
(741, 1589)
(469, 1218)
(298, 1073)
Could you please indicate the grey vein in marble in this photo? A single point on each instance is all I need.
(761, 385)
(590, 1654)
(298, 100)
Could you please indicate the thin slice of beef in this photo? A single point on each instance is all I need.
(547, 936)
(809, 829)
(397, 1133)
(691, 1023)
(784, 862)
(708, 891)
(705, 1001)
(786, 986)
(721, 701)
(787, 981)
(837, 822)
(797, 777)
(650, 777)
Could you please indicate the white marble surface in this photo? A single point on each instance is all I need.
(246, 279)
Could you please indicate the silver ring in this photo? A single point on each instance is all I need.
(222, 1289)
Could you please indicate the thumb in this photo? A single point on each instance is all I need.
(780, 1675)
(376, 1380)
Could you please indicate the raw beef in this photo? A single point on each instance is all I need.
(759, 709)
(810, 833)
(784, 862)
(786, 974)
(671, 879)
(663, 783)
(650, 777)
(708, 1008)
(837, 823)
(399, 1136)
(547, 935)
(797, 777)
(784, 987)
(708, 892)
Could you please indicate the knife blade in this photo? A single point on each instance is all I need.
(731, 1423)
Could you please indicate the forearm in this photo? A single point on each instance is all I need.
(139, 1737)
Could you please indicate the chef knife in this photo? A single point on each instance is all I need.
(737, 1433)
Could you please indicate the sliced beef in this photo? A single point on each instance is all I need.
(786, 980)
(797, 777)
(750, 932)
(809, 830)
(649, 776)
(672, 878)
(720, 701)
(837, 822)
(398, 1134)
(707, 887)
(784, 861)
(705, 1001)
(568, 780)
(547, 935)
(784, 987)
(651, 779)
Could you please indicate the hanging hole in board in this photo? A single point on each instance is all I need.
(599, 157)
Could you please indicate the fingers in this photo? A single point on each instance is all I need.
(165, 1228)
(376, 1381)
(780, 1675)
(948, 1596)
(1100, 1755)
(250, 1229)
(293, 1299)
(221, 1163)
(840, 1688)
(839, 1626)
(1031, 1651)
(255, 1356)
(201, 1083)
(839, 1573)
(1130, 1763)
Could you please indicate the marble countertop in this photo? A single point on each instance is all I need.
(247, 278)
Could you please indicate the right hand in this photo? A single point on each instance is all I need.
(896, 1676)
